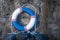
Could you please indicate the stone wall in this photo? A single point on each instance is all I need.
(53, 23)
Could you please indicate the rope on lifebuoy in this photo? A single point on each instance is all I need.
(19, 26)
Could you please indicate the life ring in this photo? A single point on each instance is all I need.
(19, 26)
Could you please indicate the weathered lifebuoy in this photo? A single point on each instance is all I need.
(19, 26)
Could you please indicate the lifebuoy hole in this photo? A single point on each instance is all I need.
(23, 18)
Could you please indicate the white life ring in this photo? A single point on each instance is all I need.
(19, 26)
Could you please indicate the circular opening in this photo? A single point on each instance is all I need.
(23, 18)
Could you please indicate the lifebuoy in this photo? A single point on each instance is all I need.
(19, 26)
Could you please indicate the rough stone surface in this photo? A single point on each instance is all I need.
(8, 6)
